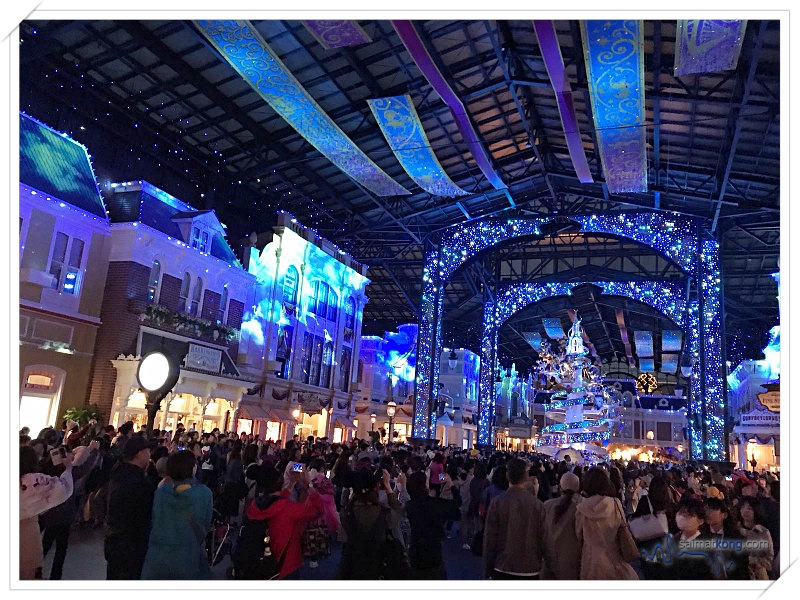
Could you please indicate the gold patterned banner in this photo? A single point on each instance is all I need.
(403, 130)
(247, 52)
(614, 54)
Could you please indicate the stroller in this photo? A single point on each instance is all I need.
(219, 539)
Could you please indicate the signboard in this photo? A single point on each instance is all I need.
(760, 417)
(771, 401)
(203, 358)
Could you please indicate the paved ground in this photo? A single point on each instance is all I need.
(85, 559)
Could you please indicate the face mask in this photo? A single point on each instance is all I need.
(685, 523)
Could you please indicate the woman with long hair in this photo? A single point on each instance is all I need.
(562, 549)
(752, 518)
(597, 522)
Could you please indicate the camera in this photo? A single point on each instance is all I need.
(58, 455)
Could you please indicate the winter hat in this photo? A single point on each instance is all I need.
(570, 481)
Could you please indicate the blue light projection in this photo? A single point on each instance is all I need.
(554, 329)
(402, 128)
(643, 340)
(674, 236)
(301, 248)
(671, 340)
(399, 355)
(667, 298)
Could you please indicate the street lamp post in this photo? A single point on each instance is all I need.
(391, 407)
(372, 418)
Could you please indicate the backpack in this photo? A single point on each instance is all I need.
(253, 557)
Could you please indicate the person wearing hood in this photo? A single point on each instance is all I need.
(562, 549)
(182, 511)
(597, 520)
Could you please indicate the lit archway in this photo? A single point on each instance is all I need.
(679, 238)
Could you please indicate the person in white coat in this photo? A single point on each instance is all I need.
(37, 493)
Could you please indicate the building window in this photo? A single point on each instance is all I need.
(316, 362)
(327, 366)
(360, 370)
(185, 286)
(223, 305)
(197, 298)
(308, 343)
(290, 286)
(200, 240)
(65, 263)
(322, 300)
(344, 370)
(350, 314)
(333, 305)
(155, 279)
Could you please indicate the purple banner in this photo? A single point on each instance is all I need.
(554, 63)
(706, 45)
(336, 34)
(408, 35)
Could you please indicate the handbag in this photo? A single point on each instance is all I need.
(625, 542)
(314, 542)
(648, 527)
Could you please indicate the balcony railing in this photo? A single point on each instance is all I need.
(165, 319)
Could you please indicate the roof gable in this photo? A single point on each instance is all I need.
(55, 164)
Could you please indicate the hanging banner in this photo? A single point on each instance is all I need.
(708, 45)
(643, 340)
(337, 34)
(614, 55)
(554, 329)
(402, 128)
(671, 340)
(534, 338)
(669, 363)
(554, 63)
(412, 42)
(243, 47)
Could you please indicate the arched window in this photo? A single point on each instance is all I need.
(333, 305)
(316, 362)
(290, 285)
(344, 370)
(197, 297)
(350, 314)
(223, 305)
(327, 366)
(321, 309)
(185, 286)
(155, 280)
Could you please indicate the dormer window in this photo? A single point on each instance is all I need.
(200, 239)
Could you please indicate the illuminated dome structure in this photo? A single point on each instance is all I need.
(584, 410)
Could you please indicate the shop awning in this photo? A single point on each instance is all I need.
(254, 411)
(284, 416)
(445, 420)
(344, 422)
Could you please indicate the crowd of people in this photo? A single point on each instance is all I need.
(160, 495)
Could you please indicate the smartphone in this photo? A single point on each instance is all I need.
(58, 455)
(297, 467)
(441, 477)
(729, 478)
(181, 448)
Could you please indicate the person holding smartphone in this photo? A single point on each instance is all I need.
(436, 477)
(37, 493)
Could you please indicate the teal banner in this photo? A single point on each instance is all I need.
(247, 52)
(403, 130)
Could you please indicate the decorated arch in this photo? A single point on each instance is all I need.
(678, 238)
(667, 298)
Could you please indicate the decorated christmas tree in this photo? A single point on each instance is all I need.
(584, 410)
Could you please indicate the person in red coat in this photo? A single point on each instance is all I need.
(286, 519)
